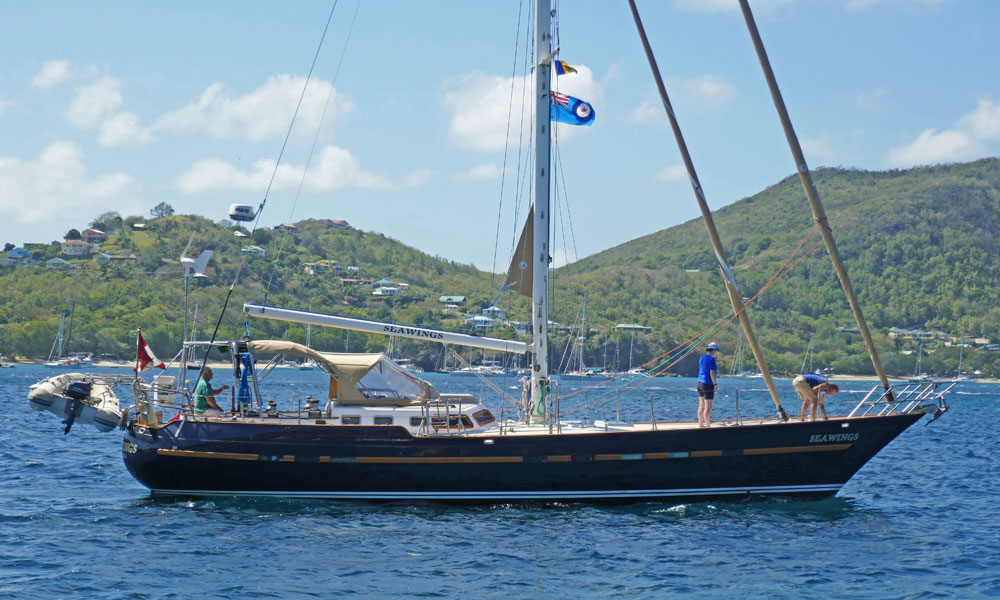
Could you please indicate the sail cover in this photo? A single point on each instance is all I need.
(360, 378)
(521, 266)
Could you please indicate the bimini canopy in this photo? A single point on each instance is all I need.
(358, 378)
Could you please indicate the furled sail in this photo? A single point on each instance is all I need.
(520, 273)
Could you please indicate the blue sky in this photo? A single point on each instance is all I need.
(110, 105)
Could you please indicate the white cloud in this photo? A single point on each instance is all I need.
(648, 112)
(124, 129)
(708, 90)
(4, 105)
(418, 178)
(481, 105)
(95, 103)
(932, 147)
(672, 173)
(819, 150)
(480, 109)
(965, 141)
(54, 186)
(480, 173)
(261, 114)
(334, 170)
(984, 122)
(53, 73)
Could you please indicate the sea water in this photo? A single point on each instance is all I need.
(919, 521)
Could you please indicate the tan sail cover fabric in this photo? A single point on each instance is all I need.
(519, 276)
(350, 369)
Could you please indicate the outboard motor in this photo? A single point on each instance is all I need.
(79, 390)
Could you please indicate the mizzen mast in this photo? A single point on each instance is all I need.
(817, 207)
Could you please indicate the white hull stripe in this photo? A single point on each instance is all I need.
(522, 495)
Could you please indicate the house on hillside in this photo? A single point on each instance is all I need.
(102, 258)
(480, 323)
(75, 248)
(93, 236)
(495, 313)
(338, 223)
(252, 250)
(19, 253)
(57, 263)
(9, 262)
(456, 300)
(286, 227)
(322, 266)
(385, 291)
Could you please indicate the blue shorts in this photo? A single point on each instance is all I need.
(706, 390)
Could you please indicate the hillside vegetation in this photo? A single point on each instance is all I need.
(920, 245)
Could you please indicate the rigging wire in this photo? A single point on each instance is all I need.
(319, 128)
(260, 209)
(670, 358)
(506, 146)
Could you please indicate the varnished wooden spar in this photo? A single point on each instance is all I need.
(735, 296)
(817, 207)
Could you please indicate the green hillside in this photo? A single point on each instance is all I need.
(920, 246)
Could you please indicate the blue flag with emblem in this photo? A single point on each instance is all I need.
(567, 109)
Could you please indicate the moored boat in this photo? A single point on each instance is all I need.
(384, 433)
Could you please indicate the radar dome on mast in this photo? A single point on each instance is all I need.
(241, 212)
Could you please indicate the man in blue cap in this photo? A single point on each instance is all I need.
(708, 376)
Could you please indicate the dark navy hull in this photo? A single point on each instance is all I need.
(386, 462)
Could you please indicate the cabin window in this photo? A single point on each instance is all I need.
(351, 420)
(453, 422)
(383, 420)
(483, 417)
(416, 421)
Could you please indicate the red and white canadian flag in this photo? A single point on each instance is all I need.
(145, 358)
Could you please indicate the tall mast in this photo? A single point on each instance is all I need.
(583, 332)
(62, 324)
(811, 193)
(540, 255)
(735, 297)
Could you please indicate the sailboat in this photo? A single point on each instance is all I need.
(56, 358)
(959, 375)
(579, 346)
(382, 433)
(307, 364)
(918, 375)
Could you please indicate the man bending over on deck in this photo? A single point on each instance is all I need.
(812, 389)
(204, 395)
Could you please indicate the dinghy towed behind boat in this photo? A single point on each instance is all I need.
(384, 433)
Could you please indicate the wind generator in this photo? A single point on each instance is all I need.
(192, 268)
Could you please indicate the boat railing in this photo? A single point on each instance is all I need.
(909, 398)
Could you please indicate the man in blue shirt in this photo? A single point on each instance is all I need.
(708, 375)
(812, 389)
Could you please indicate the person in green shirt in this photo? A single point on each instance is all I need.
(204, 395)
